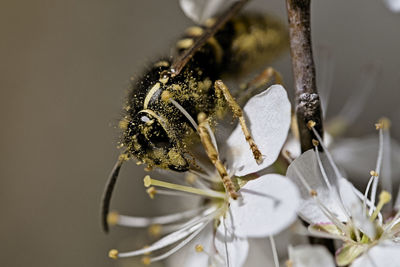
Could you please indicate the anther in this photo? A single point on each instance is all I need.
(378, 126)
(289, 263)
(155, 230)
(313, 193)
(147, 181)
(384, 198)
(385, 123)
(151, 192)
(310, 124)
(374, 173)
(113, 254)
(113, 218)
(199, 248)
(315, 142)
(146, 260)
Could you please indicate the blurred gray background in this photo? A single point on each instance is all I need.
(64, 70)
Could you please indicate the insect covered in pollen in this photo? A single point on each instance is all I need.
(175, 104)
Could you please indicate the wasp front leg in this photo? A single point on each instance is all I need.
(212, 153)
(220, 87)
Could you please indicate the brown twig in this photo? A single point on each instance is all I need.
(308, 105)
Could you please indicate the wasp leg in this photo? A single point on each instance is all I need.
(212, 153)
(251, 88)
(237, 112)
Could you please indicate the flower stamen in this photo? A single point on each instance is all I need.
(148, 181)
(384, 198)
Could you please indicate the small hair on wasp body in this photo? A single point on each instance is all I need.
(174, 103)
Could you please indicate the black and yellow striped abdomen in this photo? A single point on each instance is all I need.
(156, 131)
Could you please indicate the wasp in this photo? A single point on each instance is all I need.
(173, 105)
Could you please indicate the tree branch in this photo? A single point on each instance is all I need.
(308, 105)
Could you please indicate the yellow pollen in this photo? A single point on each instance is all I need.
(374, 173)
(315, 142)
(194, 31)
(123, 124)
(184, 43)
(112, 218)
(155, 230)
(146, 260)
(148, 181)
(201, 117)
(310, 124)
(113, 254)
(161, 64)
(151, 192)
(209, 22)
(384, 198)
(313, 193)
(165, 96)
(199, 248)
(289, 263)
(164, 80)
(148, 168)
(123, 157)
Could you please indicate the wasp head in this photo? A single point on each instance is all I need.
(146, 137)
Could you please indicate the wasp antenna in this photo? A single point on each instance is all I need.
(108, 190)
(183, 58)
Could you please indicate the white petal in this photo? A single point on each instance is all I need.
(232, 249)
(311, 256)
(200, 10)
(267, 206)
(358, 157)
(268, 117)
(188, 256)
(306, 168)
(393, 5)
(385, 254)
(259, 251)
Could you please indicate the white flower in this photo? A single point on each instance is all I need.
(310, 256)
(336, 209)
(393, 5)
(356, 155)
(220, 226)
(201, 10)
